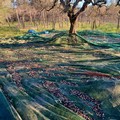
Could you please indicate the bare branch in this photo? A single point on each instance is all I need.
(54, 4)
(62, 3)
(99, 3)
(118, 3)
(85, 4)
(75, 4)
(82, 9)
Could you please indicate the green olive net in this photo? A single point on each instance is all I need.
(44, 77)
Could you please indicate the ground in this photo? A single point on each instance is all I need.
(60, 82)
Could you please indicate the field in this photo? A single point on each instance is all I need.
(13, 30)
(59, 81)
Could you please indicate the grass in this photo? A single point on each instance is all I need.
(6, 31)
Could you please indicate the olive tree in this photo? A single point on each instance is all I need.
(73, 8)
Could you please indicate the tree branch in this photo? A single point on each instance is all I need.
(54, 4)
(75, 4)
(99, 2)
(85, 4)
(62, 3)
(118, 3)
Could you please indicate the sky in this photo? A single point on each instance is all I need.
(79, 5)
(109, 2)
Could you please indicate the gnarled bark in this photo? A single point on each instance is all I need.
(72, 19)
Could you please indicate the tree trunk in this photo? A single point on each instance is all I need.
(7, 19)
(72, 25)
(53, 22)
(31, 18)
(34, 20)
(118, 23)
(23, 21)
(18, 18)
(72, 31)
(94, 26)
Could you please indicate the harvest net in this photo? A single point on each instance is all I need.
(51, 80)
(96, 38)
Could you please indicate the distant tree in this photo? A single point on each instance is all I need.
(118, 24)
(5, 8)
